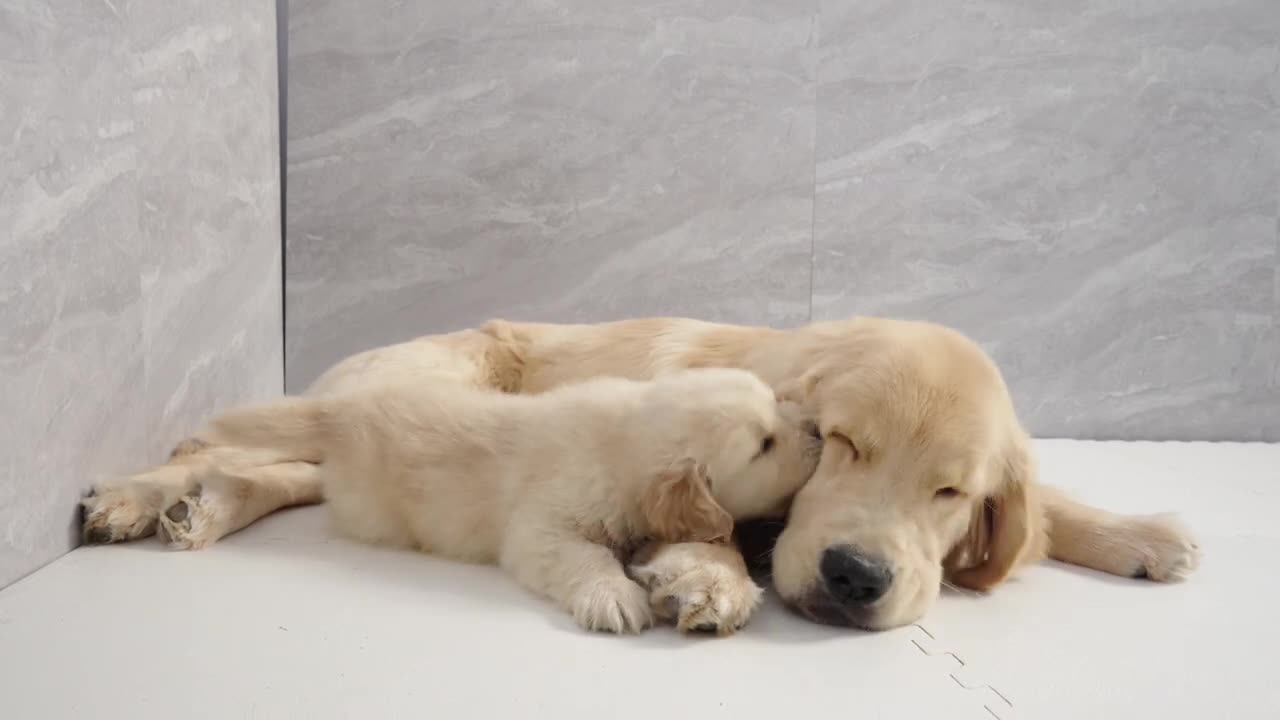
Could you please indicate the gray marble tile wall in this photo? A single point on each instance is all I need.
(1088, 187)
(140, 279)
(577, 160)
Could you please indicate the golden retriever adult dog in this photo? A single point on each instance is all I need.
(552, 487)
(926, 474)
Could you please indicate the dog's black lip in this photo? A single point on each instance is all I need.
(818, 607)
(825, 614)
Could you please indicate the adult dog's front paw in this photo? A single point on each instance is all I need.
(1162, 548)
(612, 604)
(703, 588)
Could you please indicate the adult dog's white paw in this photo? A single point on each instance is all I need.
(128, 508)
(120, 512)
(1164, 550)
(612, 604)
(200, 517)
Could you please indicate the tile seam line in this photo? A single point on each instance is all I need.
(976, 688)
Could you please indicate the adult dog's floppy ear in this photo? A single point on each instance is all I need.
(679, 507)
(1008, 528)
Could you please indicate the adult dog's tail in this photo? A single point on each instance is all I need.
(292, 429)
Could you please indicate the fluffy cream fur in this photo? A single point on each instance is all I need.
(926, 467)
(552, 487)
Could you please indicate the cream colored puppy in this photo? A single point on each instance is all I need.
(552, 487)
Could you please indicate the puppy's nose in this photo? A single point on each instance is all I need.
(852, 578)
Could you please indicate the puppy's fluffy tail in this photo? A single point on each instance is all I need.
(288, 430)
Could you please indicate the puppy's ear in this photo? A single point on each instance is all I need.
(679, 507)
(1008, 529)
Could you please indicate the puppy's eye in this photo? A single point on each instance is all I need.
(766, 444)
(844, 440)
(947, 493)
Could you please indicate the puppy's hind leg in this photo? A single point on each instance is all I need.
(580, 576)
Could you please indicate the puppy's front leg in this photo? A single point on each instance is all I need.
(582, 577)
(703, 587)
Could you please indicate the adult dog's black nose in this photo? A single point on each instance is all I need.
(852, 578)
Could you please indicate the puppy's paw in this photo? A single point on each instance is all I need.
(120, 512)
(704, 602)
(1164, 550)
(703, 588)
(613, 604)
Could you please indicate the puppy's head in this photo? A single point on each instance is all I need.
(757, 451)
(925, 477)
(765, 485)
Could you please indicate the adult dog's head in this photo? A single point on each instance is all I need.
(925, 476)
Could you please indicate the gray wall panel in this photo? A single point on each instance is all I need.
(1089, 188)
(139, 242)
(562, 161)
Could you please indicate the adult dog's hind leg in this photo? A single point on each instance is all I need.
(221, 501)
(1155, 547)
(129, 508)
(242, 488)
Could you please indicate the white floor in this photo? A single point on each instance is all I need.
(281, 621)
